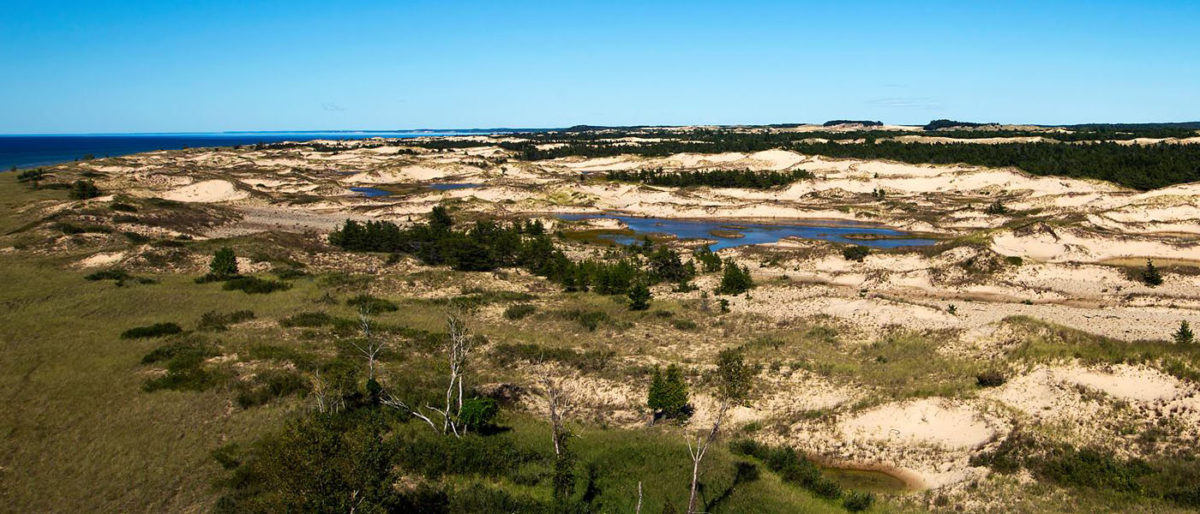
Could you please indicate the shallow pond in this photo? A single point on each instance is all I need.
(451, 186)
(863, 480)
(731, 233)
(371, 192)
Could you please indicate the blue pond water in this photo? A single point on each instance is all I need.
(448, 187)
(755, 233)
(370, 192)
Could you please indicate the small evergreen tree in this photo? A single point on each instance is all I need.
(668, 395)
(224, 264)
(639, 297)
(1184, 335)
(1150, 275)
(439, 218)
(83, 189)
(736, 280)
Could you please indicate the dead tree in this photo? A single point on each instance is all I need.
(370, 347)
(558, 404)
(733, 385)
(458, 347)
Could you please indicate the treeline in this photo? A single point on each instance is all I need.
(865, 123)
(487, 245)
(1136, 166)
(713, 178)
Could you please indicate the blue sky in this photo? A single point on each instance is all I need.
(161, 66)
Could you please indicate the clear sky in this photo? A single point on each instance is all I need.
(167, 65)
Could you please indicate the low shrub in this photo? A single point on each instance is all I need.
(219, 321)
(684, 324)
(372, 304)
(184, 362)
(858, 501)
(990, 378)
(479, 413)
(588, 319)
(270, 385)
(518, 311)
(307, 320)
(855, 253)
(590, 360)
(255, 285)
(155, 330)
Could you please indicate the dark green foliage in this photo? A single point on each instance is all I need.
(732, 376)
(184, 361)
(122, 207)
(155, 330)
(372, 304)
(32, 177)
(791, 466)
(1184, 335)
(713, 178)
(711, 261)
(72, 229)
(518, 311)
(588, 319)
(289, 273)
(220, 321)
(668, 394)
(83, 190)
(865, 123)
(255, 285)
(995, 208)
(736, 280)
(855, 253)
(479, 413)
(307, 319)
(665, 265)
(270, 385)
(857, 501)
(639, 297)
(117, 274)
(508, 354)
(990, 378)
(1137, 166)
(1151, 276)
(684, 324)
(224, 264)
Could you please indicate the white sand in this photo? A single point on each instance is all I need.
(209, 191)
(928, 421)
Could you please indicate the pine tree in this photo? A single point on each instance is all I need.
(1151, 276)
(639, 297)
(1184, 335)
(224, 264)
(655, 399)
(675, 394)
(735, 280)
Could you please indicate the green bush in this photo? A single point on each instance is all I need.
(855, 253)
(155, 330)
(479, 413)
(639, 297)
(109, 274)
(254, 285)
(990, 378)
(224, 264)
(83, 190)
(507, 354)
(518, 311)
(1151, 276)
(219, 321)
(588, 319)
(184, 362)
(684, 324)
(307, 320)
(668, 394)
(858, 501)
(736, 280)
(122, 207)
(372, 304)
(270, 385)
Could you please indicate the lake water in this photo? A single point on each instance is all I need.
(448, 187)
(371, 192)
(44, 150)
(730, 233)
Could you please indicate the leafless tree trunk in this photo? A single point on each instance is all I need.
(320, 390)
(639, 503)
(458, 348)
(369, 348)
(557, 402)
(698, 451)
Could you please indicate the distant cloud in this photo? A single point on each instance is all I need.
(331, 107)
(907, 102)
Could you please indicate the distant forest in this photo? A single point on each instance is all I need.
(1137, 166)
(748, 179)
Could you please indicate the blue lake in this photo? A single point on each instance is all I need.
(756, 233)
(371, 192)
(448, 187)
